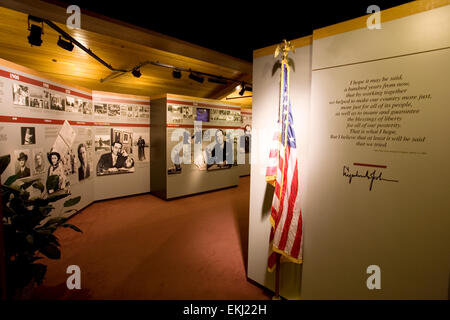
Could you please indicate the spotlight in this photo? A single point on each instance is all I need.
(217, 80)
(136, 73)
(35, 35)
(176, 74)
(242, 90)
(196, 78)
(65, 44)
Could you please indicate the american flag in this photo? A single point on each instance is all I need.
(282, 173)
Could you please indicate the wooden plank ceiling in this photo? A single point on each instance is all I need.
(77, 67)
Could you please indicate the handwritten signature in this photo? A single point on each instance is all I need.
(372, 176)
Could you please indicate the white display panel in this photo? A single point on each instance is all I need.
(129, 123)
(182, 136)
(377, 185)
(38, 116)
(376, 175)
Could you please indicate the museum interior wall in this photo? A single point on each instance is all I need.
(187, 131)
(52, 130)
(376, 188)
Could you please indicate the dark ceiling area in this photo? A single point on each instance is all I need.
(234, 28)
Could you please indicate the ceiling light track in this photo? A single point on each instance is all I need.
(72, 40)
(35, 39)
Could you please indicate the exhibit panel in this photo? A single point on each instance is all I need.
(122, 144)
(266, 97)
(201, 139)
(62, 142)
(45, 127)
(246, 114)
(378, 189)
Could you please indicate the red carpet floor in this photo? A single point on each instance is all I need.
(143, 247)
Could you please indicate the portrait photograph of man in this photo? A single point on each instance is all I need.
(116, 161)
(22, 167)
(39, 163)
(221, 155)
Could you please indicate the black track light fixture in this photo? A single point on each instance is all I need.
(217, 80)
(136, 72)
(176, 74)
(242, 89)
(65, 44)
(196, 77)
(35, 31)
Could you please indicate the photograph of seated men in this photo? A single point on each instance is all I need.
(116, 161)
(221, 155)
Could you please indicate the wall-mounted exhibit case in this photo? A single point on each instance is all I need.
(196, 145)
(85, 138)
(379, 105)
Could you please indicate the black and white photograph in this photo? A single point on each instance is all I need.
(220, 155)
(141, 145)
(39, 161)
(84, 161)
(116, 161)
(21, 95)
(28, 135)
(56, 177)
(125, 137)
(36, 97)
(113, 110)
(102, 142)
(130, 113)
(22, 163)
(57, 102)
(85, 107)
(100, 109)
(69, 162)
(46, 100)
(245, 140)
(71, 104)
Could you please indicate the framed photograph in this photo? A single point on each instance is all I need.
(28, 135)
(21, 95)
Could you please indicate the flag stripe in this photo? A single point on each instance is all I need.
(291, 204)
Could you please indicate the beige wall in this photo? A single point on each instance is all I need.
(402, 227)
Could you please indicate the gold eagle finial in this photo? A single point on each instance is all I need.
(284, 47)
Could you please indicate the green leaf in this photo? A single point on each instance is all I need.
(52, 221)
(39, 271)
(71, 226)
(57, 197)
(51, 251)
(72, 202)
(39, 185)
(27, 184)
(30, 239)
(52, 182)
(11, 180)
(4, 162)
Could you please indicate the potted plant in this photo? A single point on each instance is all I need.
(28, 227)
